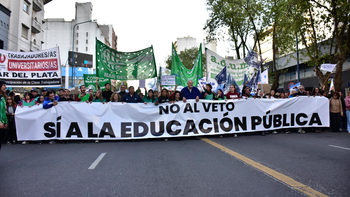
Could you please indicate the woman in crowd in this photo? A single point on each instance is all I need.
(149, 98)
(220, 95)
(99, 97)
(282, 96)
(316, 92)
(261, 94)
(40, 100)
(233, 94)
(347, 104)
(114, 97)
(164, 97)
(207, 93)
(177, 97)
(343, 124)
(10, 113)
(28, 100)
(272, 94)
(336, 111)
(3, 117)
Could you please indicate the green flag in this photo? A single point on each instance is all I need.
(118, 65)
(182, 74)
(90, 82)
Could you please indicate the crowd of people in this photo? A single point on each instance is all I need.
(338, 105)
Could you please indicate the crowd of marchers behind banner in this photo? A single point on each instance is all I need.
(338, 105)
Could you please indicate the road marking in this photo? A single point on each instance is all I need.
(339, 147)
(283, 178)
(99, 158)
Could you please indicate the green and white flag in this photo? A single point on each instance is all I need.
(90, 82)
(182, 74)
(118, 65)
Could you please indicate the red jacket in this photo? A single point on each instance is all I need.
(233, 95)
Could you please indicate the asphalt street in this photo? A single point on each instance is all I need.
(185, 167)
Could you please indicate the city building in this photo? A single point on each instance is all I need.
(189, 42)
(4, 26)
(25, 32)
(59, 32)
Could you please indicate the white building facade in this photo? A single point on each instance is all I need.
(59, 32)
(25, 32)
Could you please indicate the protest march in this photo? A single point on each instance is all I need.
(182, 103)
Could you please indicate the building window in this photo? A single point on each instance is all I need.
(76, 49)
(77, 34)
(87, 49)
(26, 7)
(78, 27)
(77, 41)
(87, 41)
(25, 31)
(87, 34)
(34, 41)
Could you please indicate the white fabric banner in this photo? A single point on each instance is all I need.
(114, 121)
(237, 68)
(31, 69)
(328, 67)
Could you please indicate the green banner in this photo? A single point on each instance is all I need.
(182, 74)
(90, 82)
(118, 65)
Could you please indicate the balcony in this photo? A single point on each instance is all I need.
(36, 26)
(34, 47)
(38, 5)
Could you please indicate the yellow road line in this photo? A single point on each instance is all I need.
(285, 179)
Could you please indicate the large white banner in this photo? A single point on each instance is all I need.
(33, 69)
(237, 68)
(114, 121)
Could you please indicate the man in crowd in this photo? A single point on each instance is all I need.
(61, 94)
(132, 97)
(107, 93)
(301, 92)
(190, 92)
(50, 100)
(122, 93)
(45, 92)
(83, 96)
(66, 96)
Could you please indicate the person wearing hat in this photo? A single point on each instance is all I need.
(45, 92)
(3, 117)
(35, 94)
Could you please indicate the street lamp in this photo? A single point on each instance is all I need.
(73, 72)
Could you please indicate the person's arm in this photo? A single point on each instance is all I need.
(145, 93)
(341, 108)
(139, 99)
(97, 84)
(47, 104)
(90, 98)
(77, 98)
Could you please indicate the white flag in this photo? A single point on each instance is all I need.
(328, 67)
(265, 77)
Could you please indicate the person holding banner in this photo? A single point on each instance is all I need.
(83, 96)
(190, 92)
(177, 96)
(220, 95)
(10, 112)
(131, 97)
(149, 97)
(114, 98)
(347, 104)
(232, 94)
(122, 92)
(164, 97)
(3, 117)
(99, 97)
(207, 93)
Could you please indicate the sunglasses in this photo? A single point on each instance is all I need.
(9, 99)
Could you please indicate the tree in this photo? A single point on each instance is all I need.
(119, 83)
(188, 58)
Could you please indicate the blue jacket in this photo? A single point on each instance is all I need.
(48, 102)
(134, 99)
(185, 92)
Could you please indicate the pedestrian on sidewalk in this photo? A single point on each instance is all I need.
(347, 104)
(3, 117)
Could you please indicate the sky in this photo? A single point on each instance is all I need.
(140, 23)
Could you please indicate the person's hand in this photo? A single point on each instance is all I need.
(225, 100)
(341, 114)
(21, 106)
(29, 106)
(90, 102)
(5, 126)
(54, 103)
(103, 102)
(1, 126)
(156, 103)
(13, 114)
(68, 101)
(197, 98)
(206, 94)
(145, 103)
(246, 82)
(184, 99)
